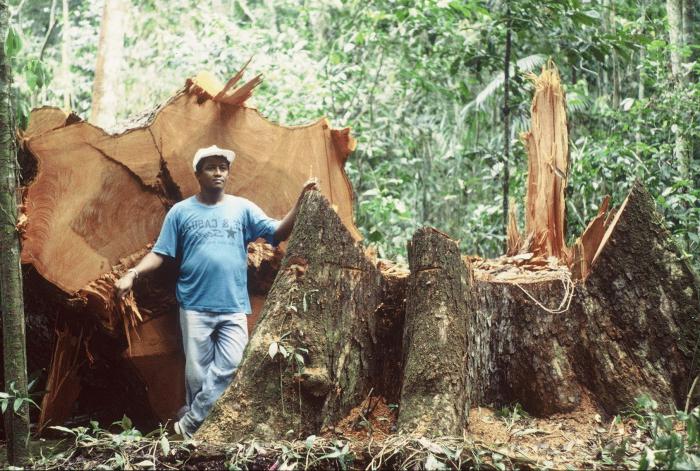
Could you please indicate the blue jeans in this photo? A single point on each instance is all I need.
(214, 344)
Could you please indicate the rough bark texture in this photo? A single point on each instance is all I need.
(11, 302)
(321, 307)
(630, 328)
(644, 300)
(434, 392)
(518, 349)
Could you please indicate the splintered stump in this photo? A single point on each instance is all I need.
(312, 354)
(629, 329)
(645, 302)
(434, 394)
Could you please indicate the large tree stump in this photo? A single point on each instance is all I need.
(629, 329)
(644, 301)
(312, 355)
(434, 392)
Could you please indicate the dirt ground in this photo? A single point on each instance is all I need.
(581, 439)
(506, 438)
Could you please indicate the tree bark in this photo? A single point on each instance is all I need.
(11, 301)
(434, 392)
(629, 328)
(689, 13)
(312, 355)
(107, 86)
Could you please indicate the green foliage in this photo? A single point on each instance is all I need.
(123, 447)
(421, 84)
(675, 438)
(14, 400)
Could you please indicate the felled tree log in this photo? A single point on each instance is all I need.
(312, 355)
(97, 200)
(434, 393)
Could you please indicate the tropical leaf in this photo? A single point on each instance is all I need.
(526, 64)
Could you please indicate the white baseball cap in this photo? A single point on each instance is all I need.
(211, 151)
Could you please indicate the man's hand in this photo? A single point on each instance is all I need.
(152, 261)
(124, 285)
(310, 184)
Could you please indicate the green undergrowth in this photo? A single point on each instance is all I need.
(654, 440)
(673, 440)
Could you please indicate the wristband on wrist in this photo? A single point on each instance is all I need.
(135, 272)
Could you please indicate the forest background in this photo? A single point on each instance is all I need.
(435, 91)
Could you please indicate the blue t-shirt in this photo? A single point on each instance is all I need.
(212, 243)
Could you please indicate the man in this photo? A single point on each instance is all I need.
(209, 233)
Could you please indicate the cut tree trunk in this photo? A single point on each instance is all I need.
(495, 333)
(628, 329)
(434, 392)
(97, 200)
(551, 328)
(313, 353)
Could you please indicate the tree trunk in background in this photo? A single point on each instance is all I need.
(614, 60)
(107, 88)
(506, 124)
(642, 57)
(65, 60)
(689, 13)
(12, 306)
(677, 41)
(434, 392)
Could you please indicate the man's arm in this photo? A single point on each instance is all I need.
(287, 224)
(149, 263)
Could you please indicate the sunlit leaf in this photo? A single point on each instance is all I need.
(164, 445)
(272, 350)
(13, 42)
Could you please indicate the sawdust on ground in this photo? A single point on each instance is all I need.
(580, 439)
(373, 419)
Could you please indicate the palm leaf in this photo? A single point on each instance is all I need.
(526, 64)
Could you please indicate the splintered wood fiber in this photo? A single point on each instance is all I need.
(548, 151)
